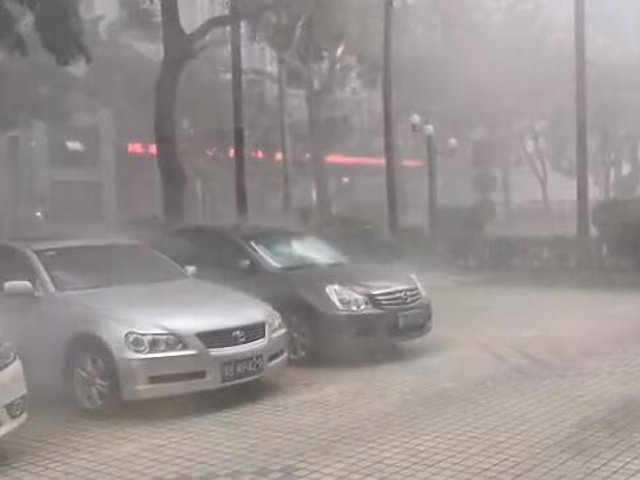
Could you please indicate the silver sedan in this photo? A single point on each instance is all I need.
(114, 321)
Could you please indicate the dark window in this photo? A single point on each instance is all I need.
(15, 266)
(204, 249)
(179, 248)
(218, 251)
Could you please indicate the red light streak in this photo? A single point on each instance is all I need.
(150, 149)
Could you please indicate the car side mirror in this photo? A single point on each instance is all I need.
(191, 270)
(18, 288)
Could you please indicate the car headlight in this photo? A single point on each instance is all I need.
(418, 283)
(275, 323)
(347, 300)
(7, 355)
(148, 344)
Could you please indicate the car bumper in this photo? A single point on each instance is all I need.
(13, 393)
(376, 327)
(184, 373)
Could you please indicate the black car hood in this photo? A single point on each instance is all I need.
(369, 277)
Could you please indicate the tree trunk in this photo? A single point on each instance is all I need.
(284, 137)
(606, 182)
(323, 200)
(617, 173)
(632, 179)
(546, 198)
(242, 200)
(506, 184)
(172, 173)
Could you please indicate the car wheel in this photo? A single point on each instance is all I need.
(93, 380)
(301, 340)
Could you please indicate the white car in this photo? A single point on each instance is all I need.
(113, 321)
(13, 390)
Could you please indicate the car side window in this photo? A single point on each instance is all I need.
(219, 252)
(178, 247)
(15, 266)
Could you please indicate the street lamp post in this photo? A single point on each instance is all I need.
(432, 164)
(425, 127)
(387, 101)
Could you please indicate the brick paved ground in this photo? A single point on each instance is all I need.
(498, 400)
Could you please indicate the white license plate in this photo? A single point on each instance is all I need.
(411, 320)
(240, 369)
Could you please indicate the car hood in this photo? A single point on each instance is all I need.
(186, 306)
(366, 277)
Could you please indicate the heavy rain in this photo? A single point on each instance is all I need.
(319, 239)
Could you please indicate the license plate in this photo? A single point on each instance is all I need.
(411, 320)
(240, 369)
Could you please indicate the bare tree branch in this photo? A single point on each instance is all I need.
(205, 29)
(201, 33)
(332, 71)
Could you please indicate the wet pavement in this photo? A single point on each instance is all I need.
(515, 382)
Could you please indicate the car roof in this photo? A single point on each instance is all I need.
(240, 229)
(45, 244)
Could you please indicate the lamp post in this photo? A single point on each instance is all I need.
(426, 128)
(388, 127)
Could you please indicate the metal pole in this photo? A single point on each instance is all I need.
(387, 98)
(242, 203)
(582, 146)
(284, 137)
(432, 163)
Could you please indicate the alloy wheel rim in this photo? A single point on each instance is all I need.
(90, 382)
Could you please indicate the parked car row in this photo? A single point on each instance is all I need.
(113, 321)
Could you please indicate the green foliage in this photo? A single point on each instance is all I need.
(56, 23)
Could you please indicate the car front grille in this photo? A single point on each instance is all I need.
(233, 337)
(399, 297)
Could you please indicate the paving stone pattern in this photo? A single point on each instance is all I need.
(405, 419)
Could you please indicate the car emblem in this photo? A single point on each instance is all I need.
(406, 296)
(239, 336)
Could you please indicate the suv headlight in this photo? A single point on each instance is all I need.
(7, 355)
(148, 344)
(275, 323)
(347, 300)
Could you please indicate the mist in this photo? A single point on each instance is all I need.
(298, 239)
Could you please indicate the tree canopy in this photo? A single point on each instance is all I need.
(56, 24)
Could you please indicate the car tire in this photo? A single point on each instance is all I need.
(92, 380)
(303, 343)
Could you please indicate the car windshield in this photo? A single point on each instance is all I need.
(95, 267)
(290, 251)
